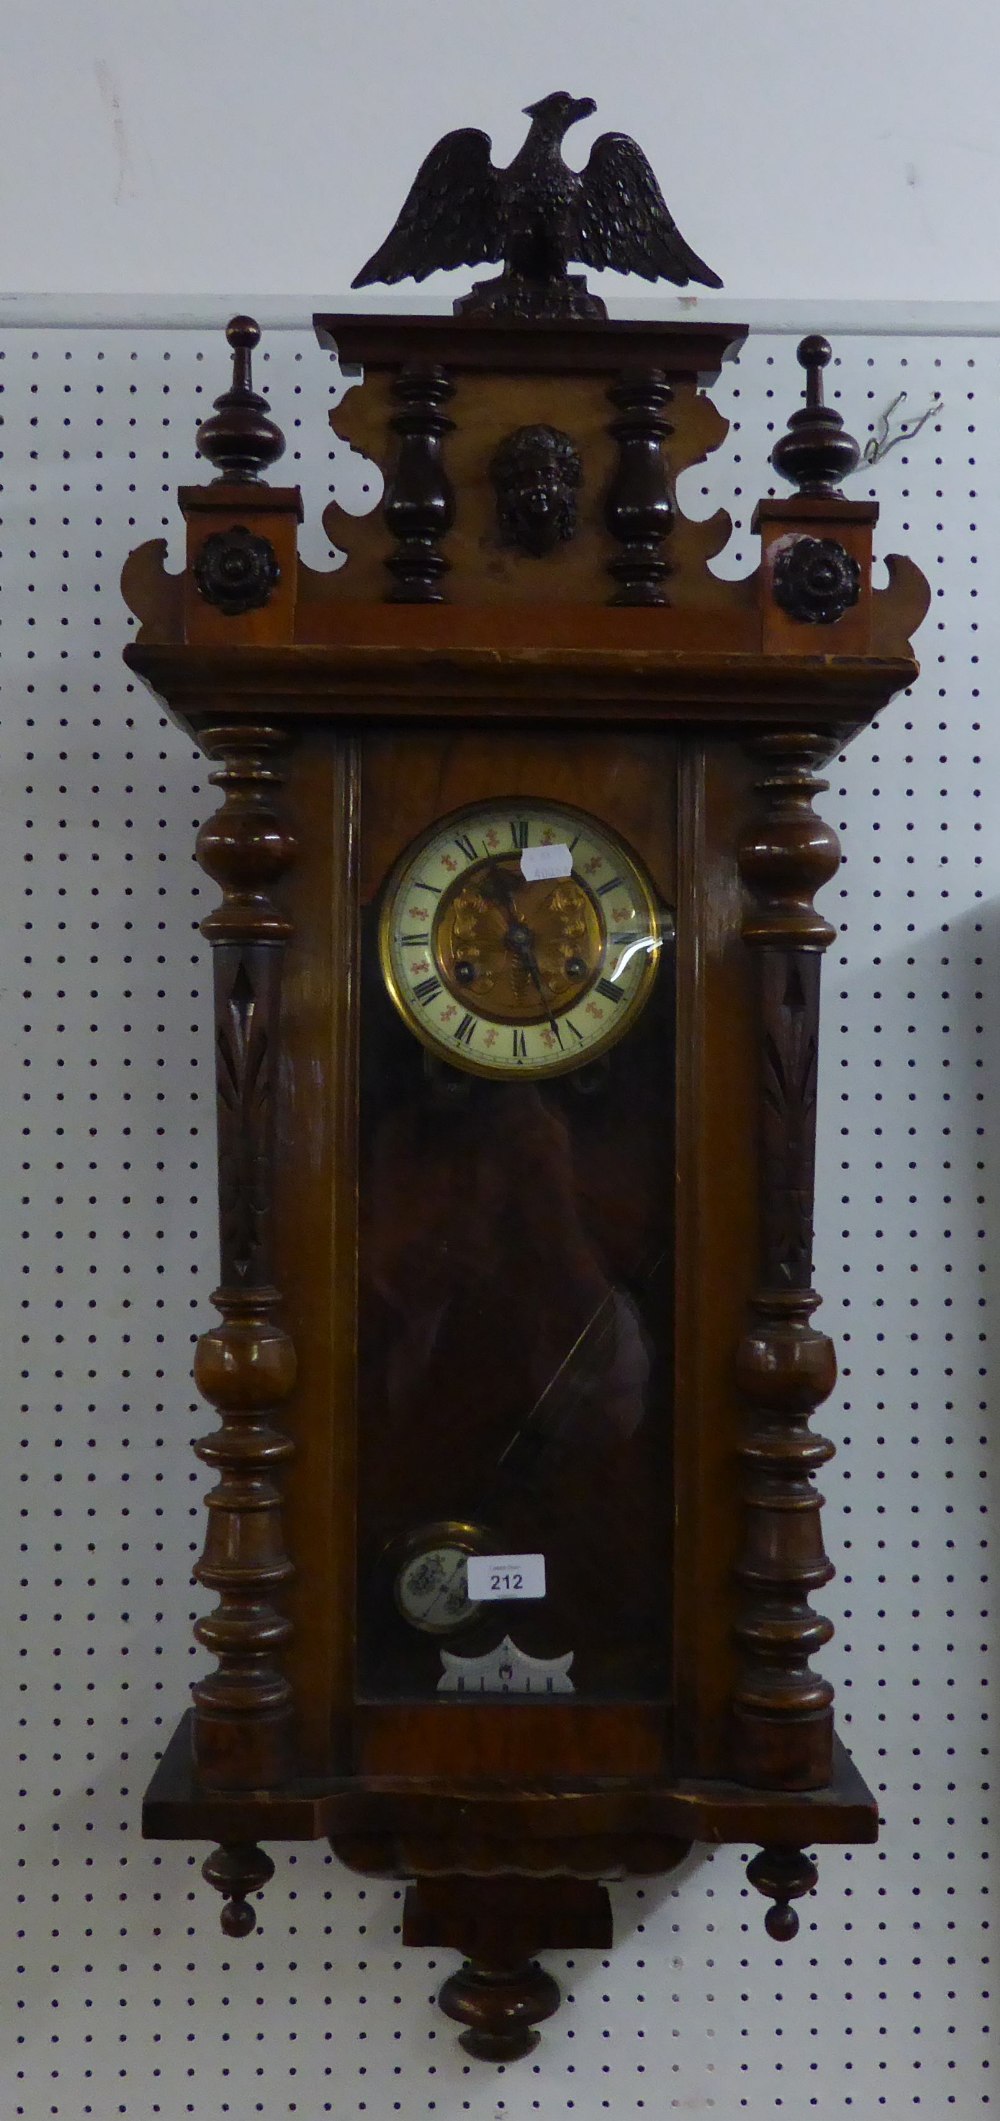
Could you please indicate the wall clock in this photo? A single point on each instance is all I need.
(514, 1533)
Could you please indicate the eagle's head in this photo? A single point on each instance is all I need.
(556, 113)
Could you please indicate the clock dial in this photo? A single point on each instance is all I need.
(519, 938)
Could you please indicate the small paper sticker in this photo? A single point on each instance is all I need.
(537, 862)
(505, 1576)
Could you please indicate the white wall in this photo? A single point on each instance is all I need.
(228, 146)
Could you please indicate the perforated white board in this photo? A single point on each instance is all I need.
(125, 1999)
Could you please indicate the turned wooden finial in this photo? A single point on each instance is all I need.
(782, 1875)
(817, 452)
(240, 437)
(236, 1870)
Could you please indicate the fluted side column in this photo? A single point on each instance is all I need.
(783, 1718)
(245, 1366)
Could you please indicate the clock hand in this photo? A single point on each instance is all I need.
(526, 953)
(501, 887)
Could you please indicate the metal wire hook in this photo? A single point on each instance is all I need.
(880, 443)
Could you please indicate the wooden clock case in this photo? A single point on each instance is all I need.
(444, 663)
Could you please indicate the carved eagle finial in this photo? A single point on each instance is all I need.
(536, 215)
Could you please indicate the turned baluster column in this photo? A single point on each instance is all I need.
(245, 1366)
(419, 504)
(638, 510)
(783, 1719)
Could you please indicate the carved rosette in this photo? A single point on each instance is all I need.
(816, 580)
(245, 1366)
(419, 505)
(783, 1720)
(236, 570)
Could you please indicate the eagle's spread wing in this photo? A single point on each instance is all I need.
(621, 218)
(451, 215)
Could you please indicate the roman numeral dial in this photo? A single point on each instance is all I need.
(520, 938)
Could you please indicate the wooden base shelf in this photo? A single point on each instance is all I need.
(176, 1808)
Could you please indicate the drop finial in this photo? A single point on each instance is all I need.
(782, 1875)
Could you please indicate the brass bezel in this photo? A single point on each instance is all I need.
(659, 917)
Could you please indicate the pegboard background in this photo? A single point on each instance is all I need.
(124, 1998)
